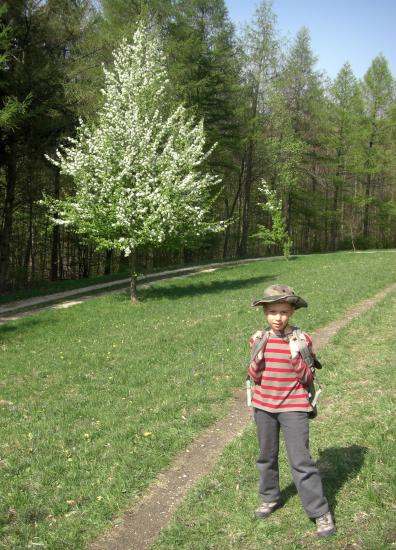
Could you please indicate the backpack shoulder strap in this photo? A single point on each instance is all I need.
(259, 344)
(306, 355)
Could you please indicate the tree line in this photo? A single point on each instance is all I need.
(322, 150)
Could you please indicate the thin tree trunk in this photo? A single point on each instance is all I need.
(326, 217)
(133, 284)
(108, 259)
(28, 261)
(341, 232)
(367, 208)
(149, 260)
(83, 261)
(368, 191)
(227, 229)
(55, 245)
(8, 213)
(289, 211)
(334, 218)
(243, 243)
(352, 217)
(43, 254)
(230, 211)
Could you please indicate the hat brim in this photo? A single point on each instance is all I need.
(295, 301)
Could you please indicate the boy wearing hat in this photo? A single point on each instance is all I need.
(281, 400)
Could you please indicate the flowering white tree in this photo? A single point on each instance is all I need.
(139, 180)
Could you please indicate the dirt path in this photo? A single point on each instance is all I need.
(61, 300)
(141, 525)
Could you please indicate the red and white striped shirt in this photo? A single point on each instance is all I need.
(281, 384)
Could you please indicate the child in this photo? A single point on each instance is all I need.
(280, 400)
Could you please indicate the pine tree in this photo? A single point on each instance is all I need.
(378, 95)
(205, 71)
(302, 102)
(43, 35)
(261, 57)
(343, 140)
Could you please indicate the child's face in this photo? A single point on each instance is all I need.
(278, 315)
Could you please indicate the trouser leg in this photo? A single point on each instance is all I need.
(295, 427)
(267, 462)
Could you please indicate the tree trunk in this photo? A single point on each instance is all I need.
(334, 226)
(368, 189)
(326, 217)
(366, 208)
(289, 211)
(227, 229)
(28, 260)
(149, 260)
(243, 243)
(133, 285)
(230, 212)
(84, 261)
(334, 220)
(8, 213)
(55, 246)
(109, 256)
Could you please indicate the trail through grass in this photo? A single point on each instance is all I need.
(50, 287)
(97, 399)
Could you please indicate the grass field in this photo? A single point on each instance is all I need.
(97, 399)
(353, 440)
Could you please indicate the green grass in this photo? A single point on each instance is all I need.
(353, 440)
(97, 399)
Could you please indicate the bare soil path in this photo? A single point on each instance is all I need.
(140, 526)
(62, 300)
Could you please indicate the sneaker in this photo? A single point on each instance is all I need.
(266, 509)
(325, 525)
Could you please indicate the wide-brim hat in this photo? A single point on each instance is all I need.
(278, 294)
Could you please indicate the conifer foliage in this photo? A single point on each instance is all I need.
(137, 170)
(136, 176)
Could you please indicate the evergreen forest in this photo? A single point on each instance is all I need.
(323, 150)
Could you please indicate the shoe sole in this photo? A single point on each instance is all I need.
(327, 533)
(263, 516)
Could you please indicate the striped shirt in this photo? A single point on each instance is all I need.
(281, 383)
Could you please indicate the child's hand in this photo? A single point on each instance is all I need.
(294, 349)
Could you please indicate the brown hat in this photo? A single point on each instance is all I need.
(280, 293)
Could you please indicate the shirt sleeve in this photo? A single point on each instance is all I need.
(303, 372)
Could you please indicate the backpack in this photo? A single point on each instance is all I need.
(314, 389)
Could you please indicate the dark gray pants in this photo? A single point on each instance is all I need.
(306, 475)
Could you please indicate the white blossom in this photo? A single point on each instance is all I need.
(137, 170)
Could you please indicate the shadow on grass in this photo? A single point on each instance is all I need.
(337, 466)
(176, 291)
(11, 329)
